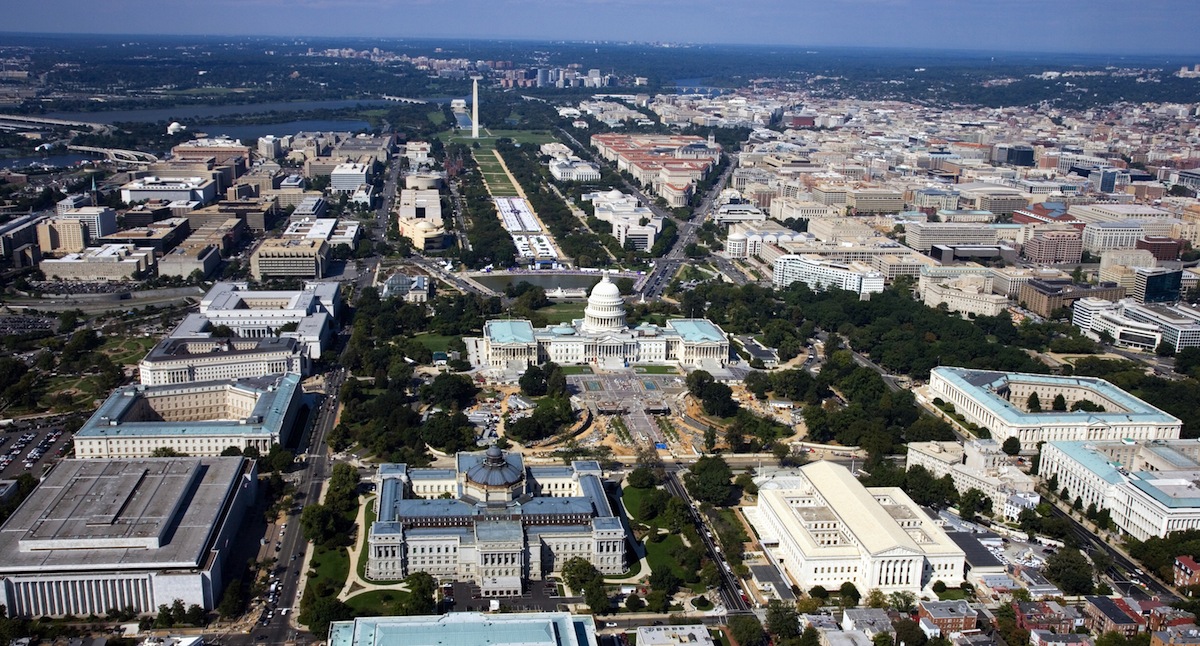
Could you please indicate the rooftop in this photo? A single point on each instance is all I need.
(121, 515)
(467, 629)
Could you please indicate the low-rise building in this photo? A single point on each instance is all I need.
(968, 294)
(197, 419)
(1045, 297)
(412, 289)
(125, 533)
(469, 629)
(820, 274)
(978, 464)
(1108, 615)
(181, 361)
(1146, 486)
(631, 222)
(951, 617)
(492, 521)
(1186, 572)
(825, 529)
(111, 262)
(999, 402)
(162, 236)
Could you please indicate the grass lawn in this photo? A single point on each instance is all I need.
(658, 555)
(434, 342)
(55, 385)
(332, 566)
(377, 603)
(487, 137)
(952, 594)
(127, 350)
(437, 117)
(656, 370)
(563, 312)
(632, 497)
(575, 370)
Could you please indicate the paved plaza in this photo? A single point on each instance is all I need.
(633, 392)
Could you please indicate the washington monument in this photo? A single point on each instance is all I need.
(475, 106)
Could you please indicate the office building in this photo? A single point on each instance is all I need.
(111, 262)
(1162, 247)
(335, 231)
(162, 235)
(223, 150)
(467, 629)
(1099, 237)
(189, 258)
(875, 200)
(820, 274)
(182, 361)
(125, 533)
(76, 201)
(152, 188)
(492, 521)
(1146, 485)
(1178, 324)
(347, 177)
(922, 236)
(999, 402)
(1048, 296)
(694, 634)
(968, 294)
(978, 464)
(311, 312)
(197, 419)
(289, 258)
(98, 221)
(1054, 247)
(1092, 213)
(1156, 285)
(825, 528)
(602, 337)
(1106, 319)
(61, 236)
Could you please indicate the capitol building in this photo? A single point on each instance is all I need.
(602, 338)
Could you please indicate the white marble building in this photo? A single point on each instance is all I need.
(492, 521)
(602, 337)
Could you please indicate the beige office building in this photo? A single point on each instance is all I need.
(289, 258)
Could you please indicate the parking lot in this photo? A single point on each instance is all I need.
(30, 449)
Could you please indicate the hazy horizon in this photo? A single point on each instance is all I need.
(1119, 28)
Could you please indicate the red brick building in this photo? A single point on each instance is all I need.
(952, 617)
(1187, 571)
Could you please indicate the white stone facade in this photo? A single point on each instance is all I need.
(824, 528)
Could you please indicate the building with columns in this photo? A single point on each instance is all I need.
(602, 337)
(492, 521)
(999, 402)
(823, 527)
(102, 534)
(199, 419)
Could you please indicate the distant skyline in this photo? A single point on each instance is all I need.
(1076, 26)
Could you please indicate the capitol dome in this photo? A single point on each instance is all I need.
(605, 310)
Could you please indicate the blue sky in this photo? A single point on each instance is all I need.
(1116, 26)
